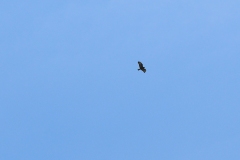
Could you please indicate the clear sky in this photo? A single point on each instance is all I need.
(70, 88)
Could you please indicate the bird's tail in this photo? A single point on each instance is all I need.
(139, 69)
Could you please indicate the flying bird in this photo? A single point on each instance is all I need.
(141, 67)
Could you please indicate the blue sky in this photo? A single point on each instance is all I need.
(70, 88)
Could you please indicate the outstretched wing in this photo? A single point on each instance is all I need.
(144, 70)
(140, 64)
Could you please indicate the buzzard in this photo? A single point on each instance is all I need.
(141, 67)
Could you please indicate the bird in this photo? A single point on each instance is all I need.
(141, 67)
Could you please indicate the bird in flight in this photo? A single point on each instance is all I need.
(141, 67)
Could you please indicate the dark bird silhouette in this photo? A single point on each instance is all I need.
(141, 67)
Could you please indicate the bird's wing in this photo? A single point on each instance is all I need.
(140, 64)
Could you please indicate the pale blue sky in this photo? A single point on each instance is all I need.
(70, 89)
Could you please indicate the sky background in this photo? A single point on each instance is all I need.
(70, 89)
